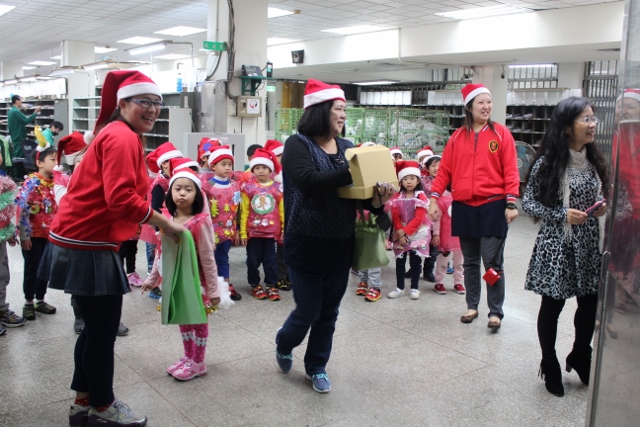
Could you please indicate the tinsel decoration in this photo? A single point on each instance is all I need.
(7, 208)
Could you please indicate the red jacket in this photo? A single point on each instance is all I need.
(479, 171)
(107, 197)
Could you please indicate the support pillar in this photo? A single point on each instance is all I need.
(491, 77)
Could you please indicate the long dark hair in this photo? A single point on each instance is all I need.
(315, 120)
(468, 117)
(555, 149)
(196, 208)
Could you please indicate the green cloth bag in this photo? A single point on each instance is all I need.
(369, 250)
(181, 292)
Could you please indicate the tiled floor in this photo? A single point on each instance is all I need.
(394, 362)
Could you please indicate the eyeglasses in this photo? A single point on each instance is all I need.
(588, 120)
(146, 104)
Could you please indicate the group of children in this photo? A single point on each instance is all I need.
(413, 236)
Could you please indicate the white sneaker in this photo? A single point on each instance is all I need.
(396, 293)
(415, 294)
(118, 414)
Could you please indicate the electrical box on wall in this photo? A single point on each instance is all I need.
(249, 106)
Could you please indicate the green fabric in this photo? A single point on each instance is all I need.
(17, 122)
(181, 292)
(48, 135)
(369, 251)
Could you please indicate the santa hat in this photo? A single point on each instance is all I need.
(164, 152)
(205, 146)
(181, 163)
(366, 144)
(186, 173)
(632, 93)
(317, 92)
(426, 151)
(407, 167)
(275, 146)
(219, 153)
(396, 150)
(428, 160)
(70, 146)
(120, 84)
(470, 91)
(266, 158)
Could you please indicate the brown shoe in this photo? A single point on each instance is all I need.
(469, 316)
(494, 323)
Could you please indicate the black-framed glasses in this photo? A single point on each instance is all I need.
(146, 104)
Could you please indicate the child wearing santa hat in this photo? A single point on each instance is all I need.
(186, 204)
(262, 223)
(224, 199)
(412, 228)
(396, 154)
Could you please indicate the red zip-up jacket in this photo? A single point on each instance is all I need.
(106, 200)
(481, 167)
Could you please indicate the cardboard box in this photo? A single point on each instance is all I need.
(368, 165)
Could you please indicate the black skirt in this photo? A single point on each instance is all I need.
(486, 220)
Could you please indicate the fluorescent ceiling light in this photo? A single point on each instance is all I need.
(65, 71)
(485, 12)
(100, 49)
(98, 65)
(26, 67)
(532, 66)
(4, 9)
(171, 56)
(271, 41)
(356, 30)
(181, 31)
(27, 79)
(147, 48)
(11, 81)
(274, 12)
(57, 57)
(38, 63)
(375, 82)
(139, 40)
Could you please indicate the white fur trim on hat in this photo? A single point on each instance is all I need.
(425, 153)
(73, 158)
(323, 96)
(138, 89)
(186, 174)
(261, 161)
(168, 155)
(278, 150)
(216, 154)
(368, 144)
(408, 171)
(631, 94)
(474, 93)
(396, 151)
(187, 165)
(426, 159)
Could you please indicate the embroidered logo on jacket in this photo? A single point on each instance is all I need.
(493, 146)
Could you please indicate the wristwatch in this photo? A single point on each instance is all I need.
(512, 205)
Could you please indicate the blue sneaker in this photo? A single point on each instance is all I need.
(320, 382)
(285, 361)
(449, 270)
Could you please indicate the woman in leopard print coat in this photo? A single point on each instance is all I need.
(567, 177)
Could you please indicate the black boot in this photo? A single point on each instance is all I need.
(551, 373)
(580, 360)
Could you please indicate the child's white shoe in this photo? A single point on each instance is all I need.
(415, 294)
(396, 293)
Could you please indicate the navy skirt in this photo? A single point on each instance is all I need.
(83, 272)
(486, 220)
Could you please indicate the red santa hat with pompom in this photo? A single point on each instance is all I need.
(632, 93)
(69, 148)
(120, 84)
(182, 163)
(186, 173)
(470, 91)
(317, 92)
(164, 152)
(426, 151)
(406, 168)
(275, 146)
(266, 158)
(219, 153)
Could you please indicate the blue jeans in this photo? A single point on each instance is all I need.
(151, 254)
(221, 254)
(317, 298)
(262, 250)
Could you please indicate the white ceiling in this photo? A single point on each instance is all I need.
(35, 28)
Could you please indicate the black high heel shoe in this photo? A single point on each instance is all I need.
(580, 361)
(551, 373)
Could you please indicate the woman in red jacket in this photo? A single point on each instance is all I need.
(479, 163)
(105, 204)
